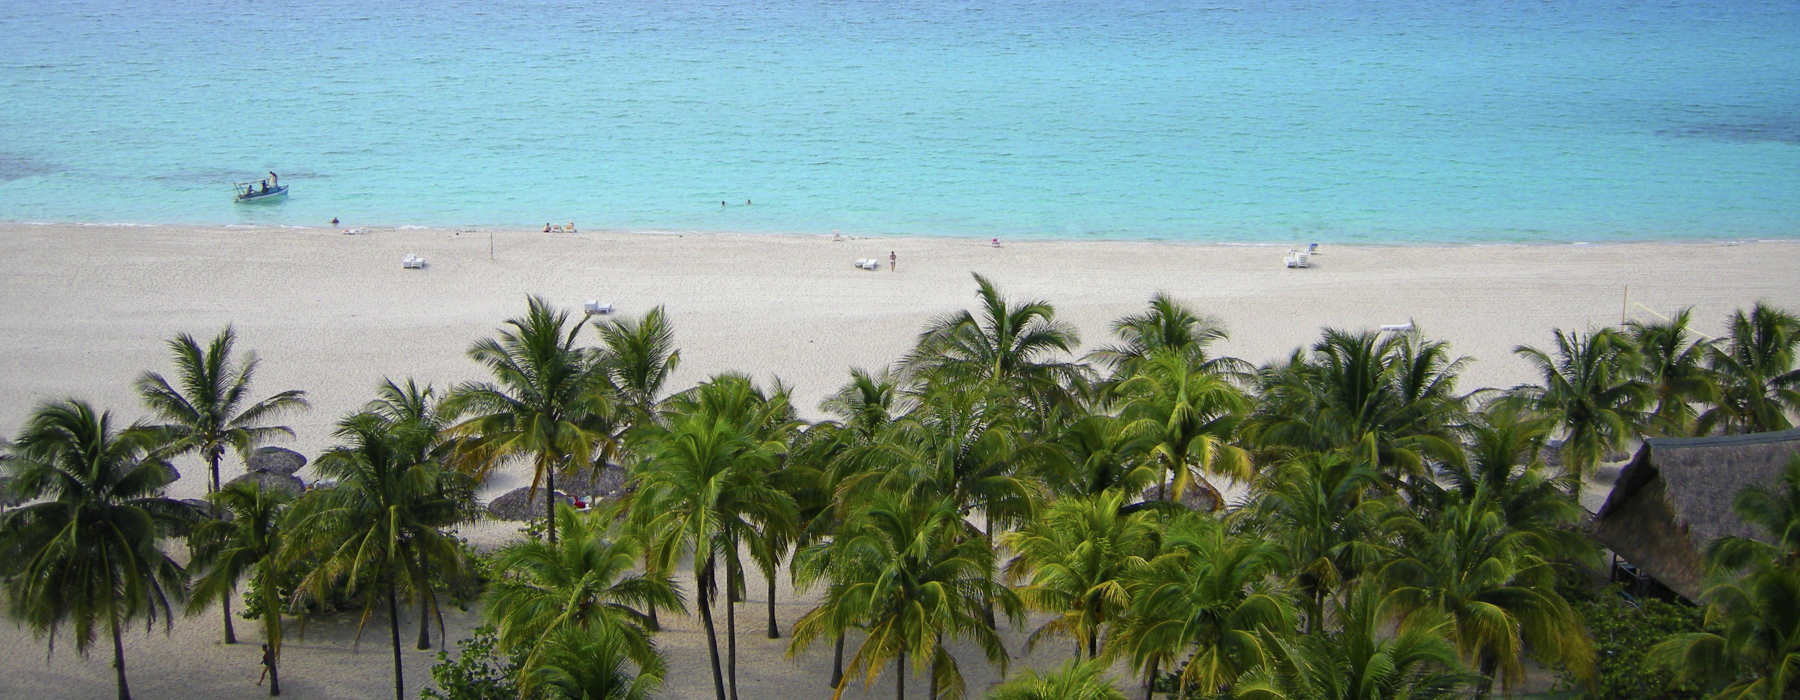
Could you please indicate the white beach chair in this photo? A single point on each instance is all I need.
(1291, 258)
(868, 264)
(1312, 249)
(1398, 327)
(412, 262)
(595, 307)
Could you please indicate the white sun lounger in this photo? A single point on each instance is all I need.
(597, 307)
(868, 264)
(1294, 258)
(412, 262)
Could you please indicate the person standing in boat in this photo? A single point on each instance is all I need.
(274, 180)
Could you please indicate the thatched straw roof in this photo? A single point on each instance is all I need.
(1675, 497)
(275, 460)
(513, 505)
(608, 484)
(273, 482)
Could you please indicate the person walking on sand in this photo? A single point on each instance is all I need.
(891, 261)
(268, 659)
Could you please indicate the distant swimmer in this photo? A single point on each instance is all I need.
(334, 221)
(746, 202)
(721, 204)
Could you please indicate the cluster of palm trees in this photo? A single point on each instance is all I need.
(1388, 533)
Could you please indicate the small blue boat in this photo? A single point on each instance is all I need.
(250, 192)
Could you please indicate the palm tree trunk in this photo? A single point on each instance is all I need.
(931, 670)
(702, 582)
(731, 633)
(274, 679)
(654, 624)
(837, 662)
(225, 602)
(774, 628)
(394, 633)
(225, 607)
(1488, 664)
(900, 677)
(424, 610)
(118, 656)
(271, 605)
(550, 500)
(1150, 680)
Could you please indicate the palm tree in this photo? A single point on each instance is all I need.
(1074, 680)
(1185, 416)
(1324, 511)
(1393, 398)
(1494, 585)
(638, 358)
(1759, 386)
(206, 414)
(1079, 555)
(1672, 364)
(225, 551)
(1206, 592)
(549, 399)
(1009, 344)
(909, 573)
(1092, 453)
(578, 664)
(1506, 470)
(1589, 389)
(419, 414)
(87, 552)
(1362, 659)
(582, 582)
(697, 494)
(378, 530)
(1167, 325)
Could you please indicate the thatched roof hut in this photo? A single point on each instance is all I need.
(1675, 497)
(275, 460)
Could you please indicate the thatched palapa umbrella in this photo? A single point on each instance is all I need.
(270, 481)
(275, 460)
(521, 504)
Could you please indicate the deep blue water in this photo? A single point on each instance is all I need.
(1236, 120)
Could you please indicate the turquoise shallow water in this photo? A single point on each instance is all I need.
(1339, 120)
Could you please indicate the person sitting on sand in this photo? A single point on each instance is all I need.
(546, 227)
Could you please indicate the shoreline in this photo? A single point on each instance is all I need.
(1719, 239)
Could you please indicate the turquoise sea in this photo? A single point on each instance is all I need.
(1402, 121)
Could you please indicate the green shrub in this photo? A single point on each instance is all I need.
(479, 672)
(1623, 629)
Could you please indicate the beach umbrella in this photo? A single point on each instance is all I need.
(275, 460)
(270, 481)
(521, 504)
(605, 483)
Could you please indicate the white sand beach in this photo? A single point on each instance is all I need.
(88, 308)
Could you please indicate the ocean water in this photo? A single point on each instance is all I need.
(1401, 121)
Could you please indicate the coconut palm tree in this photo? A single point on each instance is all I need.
(578, 664)
(1013, 345)
(1495, 586)
(1074, 680)
(699, 493)
(1206, 595)
(246, 544)
(910, 573)
(1169, 325)
(1364, 658)
(87, 552)
(1324, 511)
(1590, 390)
(549, 400)
(583, 582)
(1393, 398)
(1185, 417)
(206, 412)
(638, 357)
(419, 414)
(1092, 453)
(1078, 556)
(378, 530)
(1759, 385)
(1673, 365)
